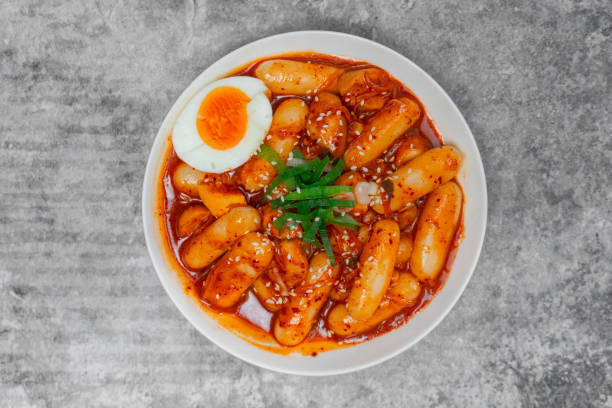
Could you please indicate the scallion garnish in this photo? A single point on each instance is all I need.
(344, 221)
(309, 193)
(318, 202)
(297, 153)
(311, 232)
(327, 244)
(310, 201)
(269, 154)
(333, 174)
(316, 174)
(290, 174)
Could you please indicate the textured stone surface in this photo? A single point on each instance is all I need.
(83, 318)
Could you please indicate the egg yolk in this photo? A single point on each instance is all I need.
(222, 117)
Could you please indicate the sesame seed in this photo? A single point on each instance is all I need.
(357, 132)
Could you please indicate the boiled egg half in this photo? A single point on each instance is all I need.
(223, 125)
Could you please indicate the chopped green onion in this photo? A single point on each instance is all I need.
(317, 172)
(280, 222)
(302, 207)
(311, 232)
(290, 173)
(327, 244)
(344, 221)
(311, 198)
(319, 202)
(297, 153)
(270, 155)
(332, 175)
(308, 193)
(291, 183)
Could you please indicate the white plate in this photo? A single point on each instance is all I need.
(453, 129)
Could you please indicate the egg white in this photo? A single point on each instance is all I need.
(190, 147)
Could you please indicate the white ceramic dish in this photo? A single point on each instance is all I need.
(453, 129)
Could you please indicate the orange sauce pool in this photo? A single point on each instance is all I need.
(249, 319)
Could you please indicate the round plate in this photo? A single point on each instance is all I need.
(453, 129)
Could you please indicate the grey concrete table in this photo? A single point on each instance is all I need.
(83, 318)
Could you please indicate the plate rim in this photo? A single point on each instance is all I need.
(152, 167)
